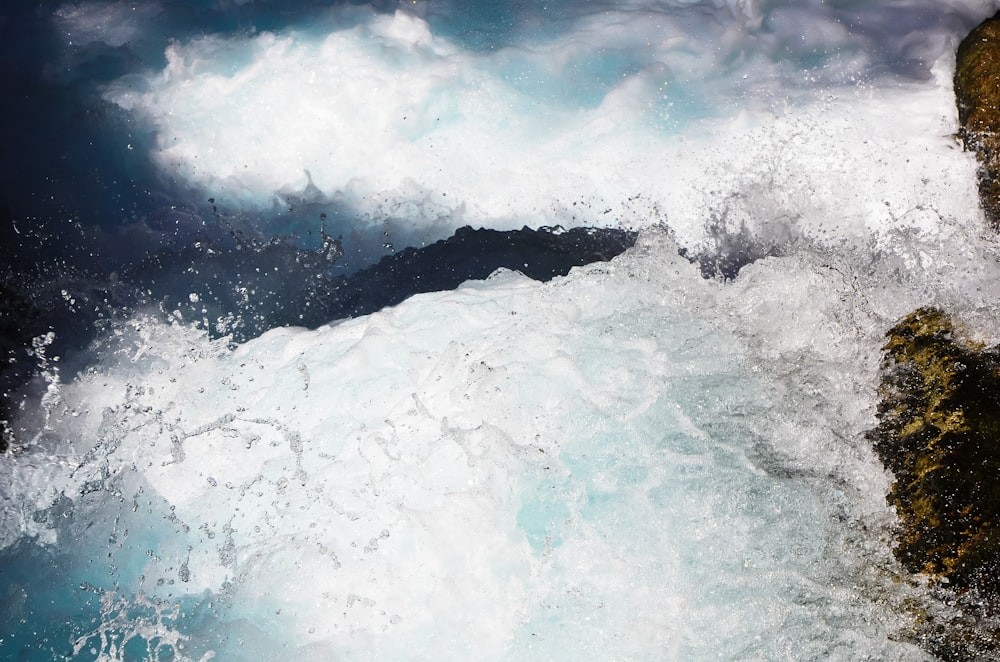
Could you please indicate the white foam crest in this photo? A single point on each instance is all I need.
(384, 117)
(613, 463)
(607, 465)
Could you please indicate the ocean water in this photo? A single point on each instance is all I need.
(658, 456)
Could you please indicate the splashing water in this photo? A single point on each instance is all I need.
(630, 462)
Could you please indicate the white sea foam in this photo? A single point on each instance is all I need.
(631, 461)
(627, 463)
(619, 116)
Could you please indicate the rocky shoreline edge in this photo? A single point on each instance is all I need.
(938, 428)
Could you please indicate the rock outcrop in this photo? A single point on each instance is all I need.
(939, 434)
(977, 94)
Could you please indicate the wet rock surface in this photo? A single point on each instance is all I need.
(939, 434)
(977, 94)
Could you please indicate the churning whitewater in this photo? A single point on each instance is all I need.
(633, 461)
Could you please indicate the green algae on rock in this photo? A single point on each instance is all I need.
(977, 94)
(939, 434)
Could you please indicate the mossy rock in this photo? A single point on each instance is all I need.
(977, 94)
(939, 434)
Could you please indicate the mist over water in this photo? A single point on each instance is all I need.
(660, 455)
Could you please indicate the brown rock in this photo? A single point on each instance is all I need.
(977, 94)
(939, 434)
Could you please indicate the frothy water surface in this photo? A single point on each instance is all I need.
(632, 461)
